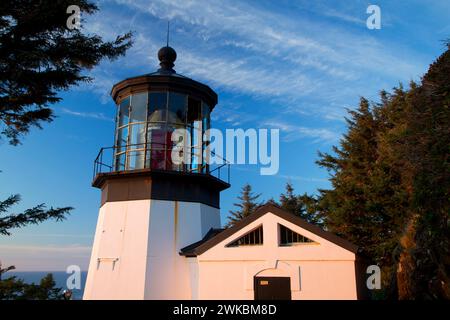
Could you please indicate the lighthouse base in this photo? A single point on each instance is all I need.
(136, 248)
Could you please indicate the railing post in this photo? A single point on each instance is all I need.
(112, 159)
(101, 158)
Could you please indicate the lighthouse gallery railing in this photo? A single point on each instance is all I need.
(156, 156)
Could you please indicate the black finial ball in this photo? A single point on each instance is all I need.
(167, 57)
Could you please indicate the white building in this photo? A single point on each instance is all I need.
(158, 233)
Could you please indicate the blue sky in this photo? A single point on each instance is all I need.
(292, 65)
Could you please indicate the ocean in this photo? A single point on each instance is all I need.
(60, 278)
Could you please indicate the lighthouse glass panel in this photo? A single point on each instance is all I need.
(176, 119)
(177, 108)
(194, 123)
(136, 140)
(122, 134)
(124, 112)
(205, 135)
(156, 131)
(145, 123)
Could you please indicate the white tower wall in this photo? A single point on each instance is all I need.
(136, 245)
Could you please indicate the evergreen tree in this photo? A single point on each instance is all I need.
(346, 206)
(247, 205)
(34, 215)
(390, 185)
(40, 55)
(303, 206)
(15, 289)
(367, 204)
(424, 150)
(312, 213)
(12, 288)
(289, 201)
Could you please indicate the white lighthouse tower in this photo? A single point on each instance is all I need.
(150, 206)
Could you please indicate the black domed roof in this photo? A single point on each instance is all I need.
(167, 56)
(164, 79)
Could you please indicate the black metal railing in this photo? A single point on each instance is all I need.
(155, 156)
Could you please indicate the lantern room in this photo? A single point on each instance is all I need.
(150, 108)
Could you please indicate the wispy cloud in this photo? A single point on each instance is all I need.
(303, 182)
(279, 36)
(237, 76)
(329, 12)
(92, 115)
(301, 178)
(295, 132)
(287, 177)
(245, 49)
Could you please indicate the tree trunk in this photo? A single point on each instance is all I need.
(406, 263)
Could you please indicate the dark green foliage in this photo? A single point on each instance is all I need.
(40, 56)
(363, 203)
(12, 288)
(34, 215)
(425, 151)
(303, 206)
(246, 207)
(391, 181)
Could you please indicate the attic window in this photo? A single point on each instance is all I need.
(289, 237)
(252, 238)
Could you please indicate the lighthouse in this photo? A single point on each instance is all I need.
(152, 206)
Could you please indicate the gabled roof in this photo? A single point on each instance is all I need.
(213, 238)
(188, 251)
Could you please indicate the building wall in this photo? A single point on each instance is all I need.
(173, 226)
(136, 245)
(321, 270)
(119, 252)
(135, 256)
